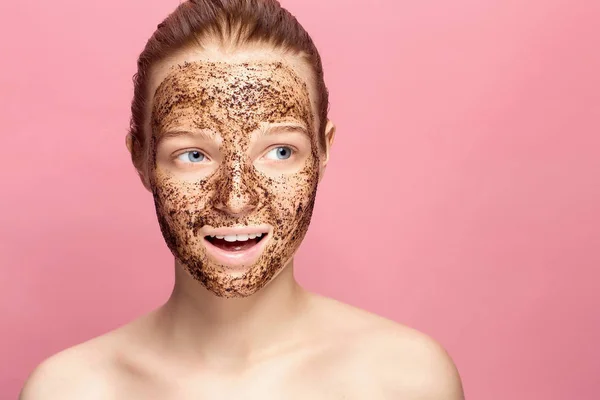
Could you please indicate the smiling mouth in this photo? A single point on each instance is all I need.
(235, 243)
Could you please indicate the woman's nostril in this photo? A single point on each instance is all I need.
(236, 201)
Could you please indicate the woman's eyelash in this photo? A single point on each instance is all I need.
(281, 152)
(276, 153)
(191, 156)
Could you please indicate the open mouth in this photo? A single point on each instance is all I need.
(238, 247)
(235, 243)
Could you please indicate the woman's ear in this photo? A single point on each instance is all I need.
(329, 138)
(130, 142)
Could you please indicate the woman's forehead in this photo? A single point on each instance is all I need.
(230, 96)
(215, 67)
(228, 77)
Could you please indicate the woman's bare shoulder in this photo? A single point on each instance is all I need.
(406, 362)
(85, 371)
(76, 372)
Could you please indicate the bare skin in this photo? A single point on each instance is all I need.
(250, 332)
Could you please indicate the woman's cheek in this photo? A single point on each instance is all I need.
(294, 193)
(179, 197)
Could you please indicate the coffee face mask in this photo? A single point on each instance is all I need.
(234, 170)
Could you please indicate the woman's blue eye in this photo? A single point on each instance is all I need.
(280, 153)
(191, 156)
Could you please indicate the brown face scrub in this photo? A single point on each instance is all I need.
(232, 100)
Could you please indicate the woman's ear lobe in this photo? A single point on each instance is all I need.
(129, 143)
(145, 181)
(140, 169)
(329, 138)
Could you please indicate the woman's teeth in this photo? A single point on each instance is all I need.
(238, 238)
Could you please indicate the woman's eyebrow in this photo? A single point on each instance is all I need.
(205, 134)
(284, 128)
(200, 134)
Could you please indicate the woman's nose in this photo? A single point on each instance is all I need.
(235, 194)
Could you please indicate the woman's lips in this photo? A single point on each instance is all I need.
(233, 249)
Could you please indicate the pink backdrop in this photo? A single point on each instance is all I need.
(466, 166)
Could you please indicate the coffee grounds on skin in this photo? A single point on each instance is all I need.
(232, 100)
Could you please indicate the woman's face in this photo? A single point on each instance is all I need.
(233, 166)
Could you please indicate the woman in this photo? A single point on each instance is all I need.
(229, 132)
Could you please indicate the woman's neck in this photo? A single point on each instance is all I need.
(220, 330)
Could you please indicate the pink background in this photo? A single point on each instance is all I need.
(466, 166)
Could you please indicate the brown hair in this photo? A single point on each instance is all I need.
(240, 21)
